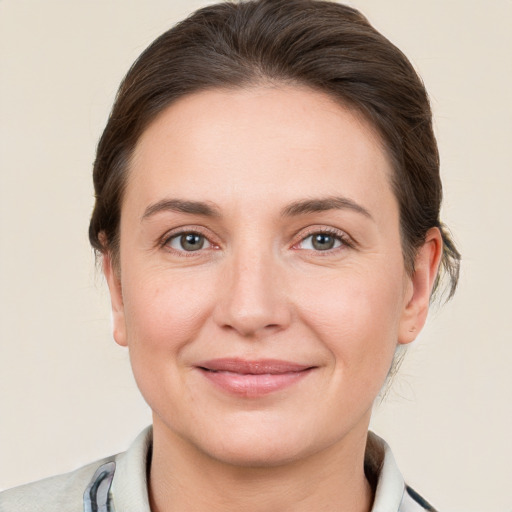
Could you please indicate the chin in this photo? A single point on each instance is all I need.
(251, 440)
(255, 452)
(263, 441)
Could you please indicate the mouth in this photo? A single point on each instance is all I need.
(252, 379)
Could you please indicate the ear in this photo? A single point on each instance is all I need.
(113, 278)
(419, 287)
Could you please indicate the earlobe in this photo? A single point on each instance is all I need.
(417, 301)
(116, 298)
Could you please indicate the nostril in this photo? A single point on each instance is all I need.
(251, 329)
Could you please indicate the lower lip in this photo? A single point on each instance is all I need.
(252, 385)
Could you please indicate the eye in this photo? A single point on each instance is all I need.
(321, 241)
(188, 242)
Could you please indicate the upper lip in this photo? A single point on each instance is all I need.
(255, 367)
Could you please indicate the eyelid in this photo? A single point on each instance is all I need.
(164, 240)
(346, 240)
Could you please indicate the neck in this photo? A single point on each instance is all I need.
(182, 478)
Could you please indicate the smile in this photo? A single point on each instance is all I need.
(252, 379)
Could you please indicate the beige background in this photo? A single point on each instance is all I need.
(66, 391)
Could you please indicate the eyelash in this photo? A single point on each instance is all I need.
(179, 232)
(343, 238)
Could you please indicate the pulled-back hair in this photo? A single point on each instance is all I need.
(324, 45)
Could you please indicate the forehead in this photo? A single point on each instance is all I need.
(273, 142)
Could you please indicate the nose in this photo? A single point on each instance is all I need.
(253, 301)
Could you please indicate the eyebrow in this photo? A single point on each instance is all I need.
(296, 208)
(181, 206)
(322, 205)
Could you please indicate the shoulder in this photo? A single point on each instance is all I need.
(120, 478)
(61, 493)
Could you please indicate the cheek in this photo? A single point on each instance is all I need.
(165, 310)
(356, 314)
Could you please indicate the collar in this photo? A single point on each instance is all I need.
(129, 489)
(130, 486)
(380, 466)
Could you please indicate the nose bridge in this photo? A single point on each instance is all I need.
(253, 301)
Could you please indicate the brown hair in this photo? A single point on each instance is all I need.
(324, 45)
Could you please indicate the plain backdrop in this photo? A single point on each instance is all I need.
(67, 395)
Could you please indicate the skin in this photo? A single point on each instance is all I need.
(260, 289)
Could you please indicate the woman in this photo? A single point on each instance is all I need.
(267, 214)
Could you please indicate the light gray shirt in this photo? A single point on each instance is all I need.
(118, 484)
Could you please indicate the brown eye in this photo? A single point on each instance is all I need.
(188, 242)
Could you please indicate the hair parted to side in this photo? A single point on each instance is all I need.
(323, 45)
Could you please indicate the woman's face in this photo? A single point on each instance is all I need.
(261, 289)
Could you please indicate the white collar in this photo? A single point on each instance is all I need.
(130, 490)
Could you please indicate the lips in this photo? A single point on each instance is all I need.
(253, 378)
